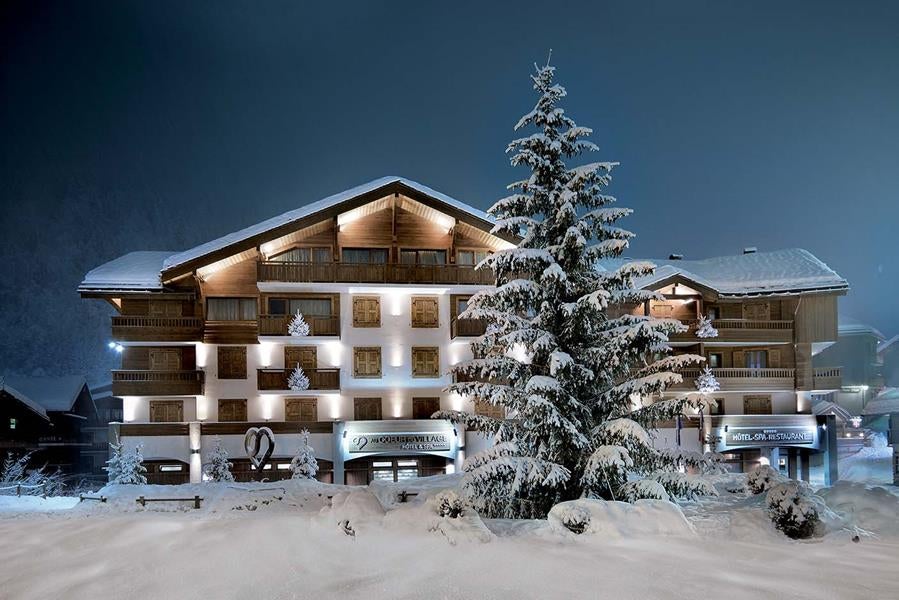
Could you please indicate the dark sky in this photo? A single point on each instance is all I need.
(158, 125)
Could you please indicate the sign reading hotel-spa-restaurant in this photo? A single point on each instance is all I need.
(404, 442)
(769, 436)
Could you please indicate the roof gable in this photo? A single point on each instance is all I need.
(45, 394)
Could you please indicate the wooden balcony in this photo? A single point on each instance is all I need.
(276, 379)
(739, 331)
(828, 378)
(467, 328)
(140, 328)
(324, 325)
(157, 383)
(231, 332)
(739, 380)
(337, 272)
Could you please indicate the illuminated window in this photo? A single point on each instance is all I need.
(170, 468)
(12, 423)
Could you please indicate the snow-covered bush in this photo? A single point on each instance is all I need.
(126, 467)
(449, 504)
(219, 469)
(643, 489)
(684, 486)
(794, 509)
(705, 329)
(575, 518)
(297, 380)
(16, 477)
(303, 465)
(298, 327)
(761, 478)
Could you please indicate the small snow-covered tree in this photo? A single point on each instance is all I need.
(297, 380)
(565, 353)
(219, 469)
(129, 467)
(31, 482)
(303, 465)
(705, 329)
(706, 383)
(113, 466)
(298, 326)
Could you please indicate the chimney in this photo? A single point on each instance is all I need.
(750, 250)
(675, 257)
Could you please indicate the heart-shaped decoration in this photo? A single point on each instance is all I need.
(252, 443)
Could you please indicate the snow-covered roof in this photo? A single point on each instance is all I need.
(788, 271)
(831, 408)
(893, 342)
(850, 326)
(883, 403)
(133, 271)
(196, 252)
(45, 394)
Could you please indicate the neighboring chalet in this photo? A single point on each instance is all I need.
(380, 273)
(57, 419)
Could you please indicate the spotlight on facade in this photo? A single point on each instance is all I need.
(111, 345)
(119, 348)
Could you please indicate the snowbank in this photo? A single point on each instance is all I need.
(621, 519)
(32, 504)
(872, 508)
(872, 464)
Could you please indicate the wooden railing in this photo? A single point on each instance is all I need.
(318, 324)
(276, 379)
(156, 383)
(740, 379)
(143, 328)
(468, 328)
(827, 378)
(741, 330)
(740, 373)
(339, 272)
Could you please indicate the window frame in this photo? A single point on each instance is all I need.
(359, 299)
(219, 362)
(435, 350)
(359, 349)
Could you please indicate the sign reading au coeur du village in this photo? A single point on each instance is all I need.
(404, 442)
(769, 436)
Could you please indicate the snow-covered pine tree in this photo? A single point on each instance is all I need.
(588, 359)
(705, 329)
(297, 380)
(706, 383)
(219, 468)
(298, 326)
(130, 466)
(303, 465)
(113, 466)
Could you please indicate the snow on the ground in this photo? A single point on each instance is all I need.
(871, 464)
(288, 540)
(29, 504)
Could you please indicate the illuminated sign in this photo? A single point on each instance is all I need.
(402, 442)
(769, 436)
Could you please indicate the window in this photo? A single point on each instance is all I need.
(12, 423)
(233, 409)
(716, 359)
(232, 362)
(165, 308)
(423, 257)
(757, 311)
(316, 307)
(301, 409)
(365, 256)
(170, 468)
(716, 406)
(231, 309)
(713, 312)
(470, 258)
(367, 362)
(485, 409)
(166, 411)
(425, 361)
(423, 408)
(757, 405)
(367, 409)
(165, 359)
(304, 356)
(320, 254)
(366, 311)
(661, 309)
(755, 359)
(425, 311)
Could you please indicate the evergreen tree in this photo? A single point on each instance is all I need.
(298, 326)
(297, 380)
(126, 467)
(303, 465)
(564, 352)
(707, 383)
(705, 329)
(219, 469)
(113, 466)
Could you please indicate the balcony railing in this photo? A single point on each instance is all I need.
(142, 328)
(338, 272)
(157, 383)
(828, 378)
(468, 328)
(318, 324)
(739, 330)
(276, 379)
(742, 379)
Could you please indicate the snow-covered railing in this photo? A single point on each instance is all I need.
(340, 272)
(740, 373)
(21, 486)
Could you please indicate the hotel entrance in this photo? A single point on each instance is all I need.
(362, 471)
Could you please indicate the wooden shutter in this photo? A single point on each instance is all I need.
(425, 311)
(661, 309)
(164, 308)
(165, 359)
(486, 409)
(233, 409)
(305, 356)
(301, 409)
(739, 359)
(367, 409)
(423, 408)
(232, 362)
(425, 362)
(166, 411)
(367, 361)
(366, 311)
(757, 405)
(757, 311)
(774, 358)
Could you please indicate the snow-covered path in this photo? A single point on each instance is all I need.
(282, 555)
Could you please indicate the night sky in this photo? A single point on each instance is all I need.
(159, 125)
